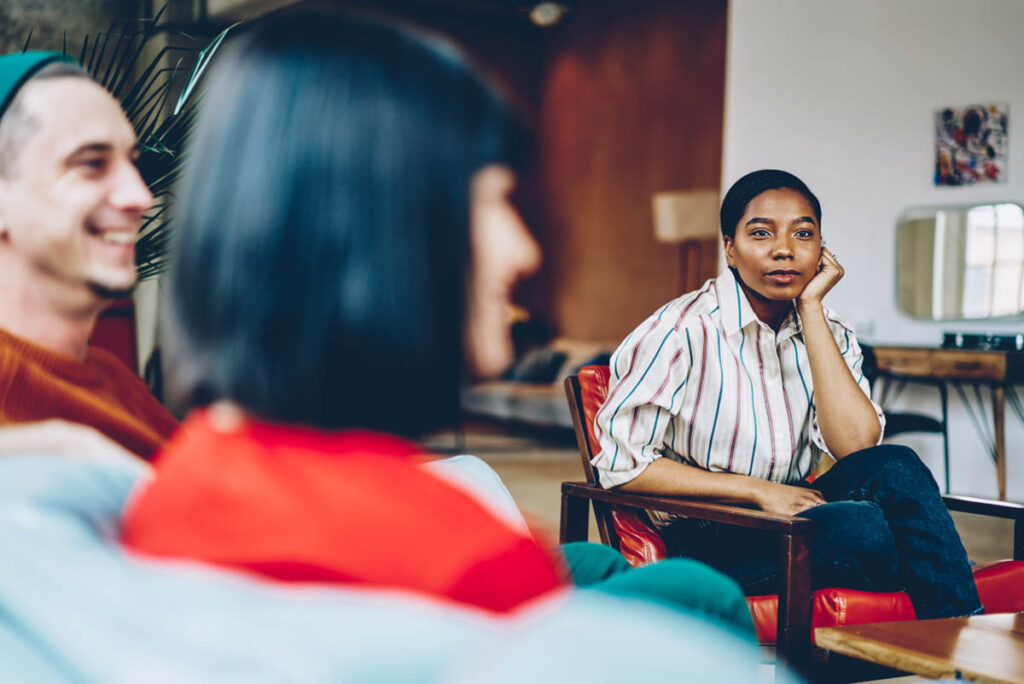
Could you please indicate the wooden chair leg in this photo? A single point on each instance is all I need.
(575, 519)
(1018, 539)
(945, 432)
(795, 596)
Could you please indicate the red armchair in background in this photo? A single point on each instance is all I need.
(115, 332)
(784, 620)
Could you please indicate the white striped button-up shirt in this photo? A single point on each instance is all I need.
(703, 381)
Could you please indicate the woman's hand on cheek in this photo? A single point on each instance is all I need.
(829, 273)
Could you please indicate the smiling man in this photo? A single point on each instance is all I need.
(71, 203)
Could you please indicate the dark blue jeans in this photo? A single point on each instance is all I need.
(885, 528)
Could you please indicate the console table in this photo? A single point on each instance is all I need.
(997, 370)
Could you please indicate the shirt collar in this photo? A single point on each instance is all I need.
(791, 326)
(736, 311)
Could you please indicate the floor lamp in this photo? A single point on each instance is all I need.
(689, 219)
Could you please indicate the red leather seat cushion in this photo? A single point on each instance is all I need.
(1001, 586)
(833, 607)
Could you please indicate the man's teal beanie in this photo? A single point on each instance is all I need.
(17, 68)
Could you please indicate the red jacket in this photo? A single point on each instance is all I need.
(301, 505)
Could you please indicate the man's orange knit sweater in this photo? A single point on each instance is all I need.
(38, 384)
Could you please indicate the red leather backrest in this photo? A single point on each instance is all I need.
(593, 392)
(639, 543)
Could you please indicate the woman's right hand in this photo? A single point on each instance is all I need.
(786, 499)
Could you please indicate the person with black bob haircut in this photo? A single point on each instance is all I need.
(364, 323)
(345, 253)
(737, 391)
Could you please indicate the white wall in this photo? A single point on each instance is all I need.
(843, 94)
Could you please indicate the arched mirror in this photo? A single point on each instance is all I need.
(960, 263)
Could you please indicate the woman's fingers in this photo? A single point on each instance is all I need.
(811, 499)
(831, 259)
(788, 499)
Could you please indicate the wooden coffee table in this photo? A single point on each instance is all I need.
(986, 648)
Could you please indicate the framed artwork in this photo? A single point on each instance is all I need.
(970, 144)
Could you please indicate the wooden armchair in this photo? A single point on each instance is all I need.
(784, 620)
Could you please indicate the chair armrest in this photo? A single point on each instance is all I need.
(796, 538)
(993, 509)
(693, 508)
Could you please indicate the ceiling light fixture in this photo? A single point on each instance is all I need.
(547, 14)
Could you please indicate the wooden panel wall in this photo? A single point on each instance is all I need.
(626, 99)
(631, 103)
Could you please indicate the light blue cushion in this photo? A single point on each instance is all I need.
(74, 607)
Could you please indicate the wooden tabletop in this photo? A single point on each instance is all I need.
(986, 648)
(945, 364)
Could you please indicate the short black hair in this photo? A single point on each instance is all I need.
(752, 185)
(319, 267)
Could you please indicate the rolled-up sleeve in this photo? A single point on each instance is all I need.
(646, 370)
(854, 358)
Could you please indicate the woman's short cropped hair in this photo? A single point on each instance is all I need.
(322, 249)
(753, 184)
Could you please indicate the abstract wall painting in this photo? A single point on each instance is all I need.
(970, 144)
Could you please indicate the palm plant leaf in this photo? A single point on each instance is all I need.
(203, 61)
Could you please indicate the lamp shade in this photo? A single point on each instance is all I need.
(685, 215)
